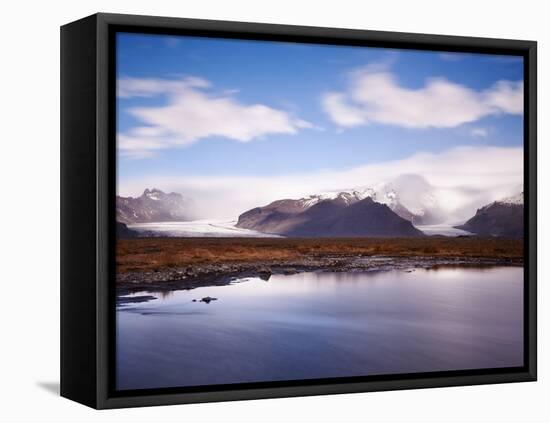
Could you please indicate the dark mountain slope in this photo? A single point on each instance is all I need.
(501, 218)
(338, 217)
(123, 232)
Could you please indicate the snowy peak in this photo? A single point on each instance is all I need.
(412, 197)
(502, 218)
(156, 194)
(153, 205)
(409, 196)
(348, 197)
(153, 194)
(514, 200)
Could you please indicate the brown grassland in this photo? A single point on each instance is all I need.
(150, 254)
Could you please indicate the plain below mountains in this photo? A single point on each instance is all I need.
(347, 214)
(503, 218)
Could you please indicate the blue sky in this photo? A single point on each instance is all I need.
(192, 107)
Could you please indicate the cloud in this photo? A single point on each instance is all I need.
(172, 41)
(376, 96)
(341, 112)
(150, 87)
(453, 57)
(464, 179)
(191, 113)
(506, 96)
(479, 132)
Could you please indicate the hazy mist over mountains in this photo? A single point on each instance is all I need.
(393, 209)
(454, 184)
(153, 206)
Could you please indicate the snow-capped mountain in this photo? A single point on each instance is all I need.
(152, 206)
(409, 196)
(348, 197)
(343, 214)
(503, 218)
(514, 200)
(413, 198)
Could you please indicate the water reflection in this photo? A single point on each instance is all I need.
(318, 325)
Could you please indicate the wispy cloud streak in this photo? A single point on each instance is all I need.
(192, 112)
(376, 97)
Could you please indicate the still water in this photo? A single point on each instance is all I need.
(321, 325)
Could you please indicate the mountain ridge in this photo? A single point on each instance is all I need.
(501, 218)
(340, 216)
(153, 205)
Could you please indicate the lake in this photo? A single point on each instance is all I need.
(322, 325)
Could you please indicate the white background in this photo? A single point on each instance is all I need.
(29, 207)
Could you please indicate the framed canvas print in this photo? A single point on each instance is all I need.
(255, 211)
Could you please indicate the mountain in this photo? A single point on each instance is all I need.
(152, 206)
(411, 197)
(123, 232)
(345, 214)
(503, 218)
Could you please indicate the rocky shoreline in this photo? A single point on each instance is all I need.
(213, 274)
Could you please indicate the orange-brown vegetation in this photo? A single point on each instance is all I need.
(145, 254)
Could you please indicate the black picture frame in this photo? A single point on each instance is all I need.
(88, 194)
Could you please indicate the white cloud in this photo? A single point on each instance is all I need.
(376, 97)
(172, 41)
(149, 87)
(507, 97)
(341, 111)
(479, 132)
(464, 178)
(452, 57)
(192, 113)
